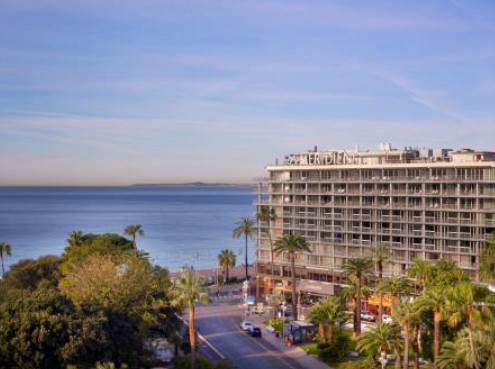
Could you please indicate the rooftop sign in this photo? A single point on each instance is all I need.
(322, 158)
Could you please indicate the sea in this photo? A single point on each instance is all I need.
(183, 225)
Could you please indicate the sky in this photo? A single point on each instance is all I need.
(101, 92)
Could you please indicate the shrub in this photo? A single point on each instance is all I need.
(336, 350)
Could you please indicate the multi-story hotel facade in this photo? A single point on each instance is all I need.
(423, 203)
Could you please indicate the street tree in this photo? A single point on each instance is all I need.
(134, 231)
(292, 244)
(358, 268)
(244, 228)
(226, 259)
(188, 291)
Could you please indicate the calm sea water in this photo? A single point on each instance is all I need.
(183, 225)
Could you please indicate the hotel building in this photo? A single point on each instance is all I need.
(423, 203)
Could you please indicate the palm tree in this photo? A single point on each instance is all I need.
(267, 215)
(245, 227)
(454, 355)
(460, 307)
(327, 313)
(395, 286)
(335, 315)
(188, 291)
(434, 300)
(349, 292)
(133, 231)
(6, 249)
(292, 244)
(379, 340)
(405, 313)
(75, 239)
(317, 316)
(226, 259)
(420, 270)
(380, 254)
(358, 268)
(487, 260)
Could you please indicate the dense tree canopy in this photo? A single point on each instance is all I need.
(96, 304)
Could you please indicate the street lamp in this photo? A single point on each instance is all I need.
(283, 319)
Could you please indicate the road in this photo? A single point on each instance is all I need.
(219, 323)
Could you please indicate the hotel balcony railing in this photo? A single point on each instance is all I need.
(487, 178)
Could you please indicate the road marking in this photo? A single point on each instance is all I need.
(270, 351)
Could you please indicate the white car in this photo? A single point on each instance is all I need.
(246, 325)
(367, 317)
(386, 319)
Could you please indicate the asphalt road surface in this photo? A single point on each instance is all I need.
(219, 323)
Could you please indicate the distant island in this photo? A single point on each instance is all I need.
(195, 184)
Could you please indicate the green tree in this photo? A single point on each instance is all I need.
(102, 281)
(349, 292)
(420, 270)
(28, 274)
(381, 255)
(109, 244)
(487, 260)
(405, 314)
(381, 339)
(292, 244)
(266, 214)
(245, 227)
(134, 230)
(458, 354)
(395, 286)
(435, 300)
(445, 273)
(188, 291)
(75, 239)
(461, 308)
(318, 317)
(335, 315)
(358, 268)
(226, 259)
(5, 249)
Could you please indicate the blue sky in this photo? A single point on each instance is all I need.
(119, 92)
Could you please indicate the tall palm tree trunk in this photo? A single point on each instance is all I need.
(331, 333)
(227, 274)
(192, 337)
(3, 269)
(358, 305)
(415, 346)
(354, 317)
(380, 307)
(246, 252)
(321, 332)
(134, 245)
(293, 275)
(272, 279)
(406, 346)
(397, 364)
(436, 335)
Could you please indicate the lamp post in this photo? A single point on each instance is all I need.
(283, 319)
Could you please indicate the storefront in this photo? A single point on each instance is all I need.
(372, 304)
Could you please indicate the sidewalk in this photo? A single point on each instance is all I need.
(294, 352)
